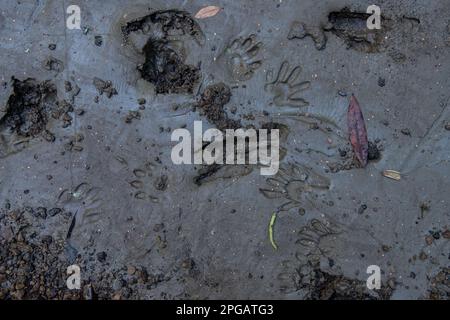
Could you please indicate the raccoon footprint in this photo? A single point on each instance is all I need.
(311, 235)
(241, 57)
(286, 87)
(297, 185)
(140, 187)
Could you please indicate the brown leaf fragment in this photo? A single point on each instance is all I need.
(357, 131)
(207, 12)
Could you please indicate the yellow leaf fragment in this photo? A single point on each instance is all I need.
(271, 224)
(207, 12)
(392, 174)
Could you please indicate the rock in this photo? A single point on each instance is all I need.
(406, 132)
(98, 40)
(40, 212)
(362, 208)
(131, 270)
(101, 256)
(47, 239)
(447, 126)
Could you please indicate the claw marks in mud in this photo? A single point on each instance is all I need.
(84, 200)
(310, 237)
(242, 57)
(164, 64)
(286, 87)
(297, 185)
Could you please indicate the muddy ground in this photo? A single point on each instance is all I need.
(86, 176)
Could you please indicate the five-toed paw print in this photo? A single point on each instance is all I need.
(241, 58)
(286, 86)
(297, 185)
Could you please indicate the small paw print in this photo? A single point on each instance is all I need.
(286, 86)
(242, 58)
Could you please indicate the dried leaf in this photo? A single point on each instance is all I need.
(392, 174)
(357, 131)
(272, 222)
(207, 12)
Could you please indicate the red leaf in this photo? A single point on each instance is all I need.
(357, 131)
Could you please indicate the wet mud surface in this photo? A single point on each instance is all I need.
(86, 175)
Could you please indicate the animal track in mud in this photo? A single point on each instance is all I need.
(241, 57)
(84, 201)
(318, 284)
(296, 184)
(28, 107)
(140, 184)
(212, 103)
(310, 237)
(166, 23)
(286, 87)
(352, 28)
(164, 64)
(27, 112)
(311, 252)
(300, 30)
(215, 172)
(165, 69)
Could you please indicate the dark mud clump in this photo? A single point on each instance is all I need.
(53, 64)
(104, 87)
(164, 65)
(28, 107)
(212, 103)
(166, 23)
(352, 28)
(165, 69)
(374, 152)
